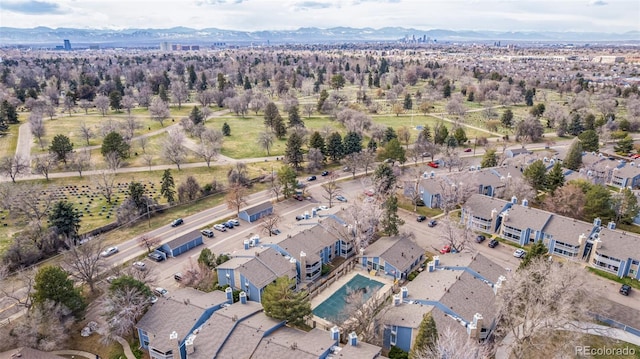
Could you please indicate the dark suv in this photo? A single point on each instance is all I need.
(493, 243)
(156, 256)
(421, 218)
(480, 238)
(625, 289)
(177, 222)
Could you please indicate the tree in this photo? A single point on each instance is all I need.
(210, 144)
(61, 146)
(624, 145)
(46, 328)
(115, 100)
(37, 127)
(427, 337)
(115, 143)
(86, 132)
(269, 223)
(337, 81)
(45, 163)
(440, 133)
(393, 150)
(173, 148)
(179, 92)
(226, 129)
(544, 297)
(148, 242)
(84, 261)
(315, 159)
(590, 141)
(555, 178)
(236, 197)
(567, 200)
(408, 103)
(598, 203)
(460, 135)
(53, 283)
(536, 175)
(159, 110)
(317, 141)
(384, 180)
(458, 237)
(335, 149)
(207, 259)
(128, 102)
(573, 159)
(281, 302)
(404, 135)
(625, 206)
(538, 251)
(490, 158)
(13, 166)
(331, 188)
(528, 96)
(167, 190)
(189, 190)
(288, 181)
(293, 152)
(452, 344)
(124, 304)
(294, 117)
(270, 114)
(507, 118)
(390, 221)
(196, 116)
(105, 184)
(352, 143)
(102, 104)
(265, 140)
(65, 219)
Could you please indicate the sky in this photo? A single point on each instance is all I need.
(612, 16)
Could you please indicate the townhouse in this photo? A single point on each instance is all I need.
(457, 289)
(602, 247)
(393, 256)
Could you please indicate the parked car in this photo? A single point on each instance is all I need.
(323, 208)
(493, 243)
(177, 222)
(480, 238)
(207, 233)
(299, 197)
(341, 198)
(445, 249)
(519, 253)
(370, 192)
(625, 289)
(275, 231)
(419, 202)
(299, 217)
(228, 224)
(311, 178)
(325, 173)
(109, 252)
(161, 291)
(220, 227)
(235, 221)
(111, 278)
(300, 185)
(153, 299)
(156, 256)
(432, 164)
(178, 277)
(635, 156)
(421, 218)
(467, 150)
(432, 223)
(139, 265)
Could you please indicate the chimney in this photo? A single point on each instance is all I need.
(611, 225)
(478, 321)
(436, 260)
(472, 330)
(246, 244)
(597, 222)
(303, 266)
(525, 203)
(514, 200)
(243, 297)
(396, 300)
(353, 339)
(498, 285)
(229, 294)
(493, 213)
(188, 344)
(405, 292)
(431, 266)
(505, 216)
(335, 333)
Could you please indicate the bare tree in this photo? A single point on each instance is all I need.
(315, 159)
(205, 98)
(86, 132)
(352, 161)
(367, 159)
(80, 161)
(148, 242)
(173, 147)
(114, 161)
(84, 262)
(275, 185)
(457, 236)
(68, 104)
(143, 141)
(211, 142)
(13, 166)
(404, 135)
(159, 110)
(28, 200)
(269, 223)
(265, 140)
(121, 309)
(44, 164)
(331, 188)
(105, 183)
(360, 313)
(540, 299)
(179, 92)
(362, 220)
(148, 159)
(453, 344)
(236, 197)
(129, 126)
(37, 127)
(18, 288)
(47, 327)
(455, 105)
(85, 105)
(308, 109)
(102, 104)
(452, 194)
(128, 102)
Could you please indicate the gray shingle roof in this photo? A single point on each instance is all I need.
(526, 217)
(361, 351)
(266, 266)
(400, 252)
(311, 241)
(567, 230)
(619, 244)
(289, 343)
(245, 338)
(258, 208)
(185, 238)
(481, 205)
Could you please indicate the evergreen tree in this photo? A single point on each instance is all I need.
(226, 129)
(167, 190)
(440, 134)
(536, 174)
(598, 203)
(288, 180)
(53, 283)
(317, 141)
(460, 135)
(490, 158)
(335, 150)
(408, 103)
(115, 143)
(394, 150)
(537, 250)
(426, 339)
(115, 99)
(575, 126)
(624, 145)
(352, 143)
(391, 221)
(281, 302)
(270, 114)
(625, 205)
(192, 76)
(528, 97)
(507, 119)
(294, 117)
(196, 115)
(446, 90)
(573, 159)
(293, 153)
(65, 219)
(372, 145)
(555, 178)
(162, 93)
(136, 194)
(279, 128)
(425, 135)
(203, 82)
(389, 134)
(324, 95)
(207, 259)
(8, 114)
(384, 180)
(247, 83)
(451, 142)
(61, 147)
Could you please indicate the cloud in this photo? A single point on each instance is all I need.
(218, 2)
(306, 5)
(32, 7)
(597, 3)
(358, 2)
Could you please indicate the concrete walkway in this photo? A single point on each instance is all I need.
(76, 354)
(126, 347)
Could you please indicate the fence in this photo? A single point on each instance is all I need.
(314, 288)
(618, 325)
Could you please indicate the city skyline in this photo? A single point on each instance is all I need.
(611, 16)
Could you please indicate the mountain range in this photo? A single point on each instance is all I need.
(48, 37)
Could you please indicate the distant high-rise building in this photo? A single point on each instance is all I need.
(165, 46)
(67, 45)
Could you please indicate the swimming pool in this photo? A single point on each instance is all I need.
(334, 305)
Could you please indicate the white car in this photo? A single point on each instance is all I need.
(109, 252)
(220, 227)
(139, 265)
(323, 207)
(235, 222)
(161, 291)
(519, 253)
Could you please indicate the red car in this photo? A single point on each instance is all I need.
(635, 156)
(445, 249)
(432, 164)
(467, 150)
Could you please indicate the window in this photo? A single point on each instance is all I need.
(393, 338)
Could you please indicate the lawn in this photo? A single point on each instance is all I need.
(9, 141)
(626, 280)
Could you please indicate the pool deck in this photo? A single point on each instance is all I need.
(325, 294)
